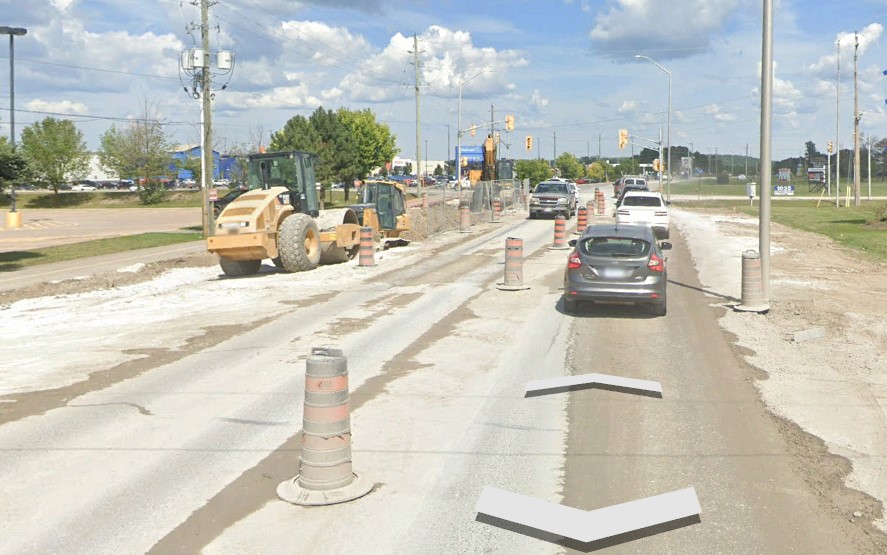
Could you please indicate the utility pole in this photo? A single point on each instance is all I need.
(207, 116)
(554, 159)
(869, 149)
(448, 150)
(418, 140)
(838, 129)
(856, 117)
(598, 147)
(746, 160)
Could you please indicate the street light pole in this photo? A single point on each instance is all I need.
(668, 132)
(12, 32)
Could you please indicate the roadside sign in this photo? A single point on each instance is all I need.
(784, 190)
(213, 195)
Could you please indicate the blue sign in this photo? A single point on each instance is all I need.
(472, 153)
(784, 190)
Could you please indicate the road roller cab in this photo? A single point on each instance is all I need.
(383, 207)
(278, 219)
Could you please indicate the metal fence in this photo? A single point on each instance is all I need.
(442, 213)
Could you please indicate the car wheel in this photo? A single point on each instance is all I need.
(660, 308)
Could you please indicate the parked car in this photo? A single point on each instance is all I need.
(81, 187)
(644, 208)
(552, 197)
(574, 189)
(627, 180)
(617, 264)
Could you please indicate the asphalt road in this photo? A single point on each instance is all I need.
(181, 451)
(50, 227)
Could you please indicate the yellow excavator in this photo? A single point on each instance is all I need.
(278, 218)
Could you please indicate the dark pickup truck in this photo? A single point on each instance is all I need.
(551, 198)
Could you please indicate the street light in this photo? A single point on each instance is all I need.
(12, 32)
(668, 132)
(459, 133)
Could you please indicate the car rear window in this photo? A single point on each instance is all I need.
(630, 200)
(615, 247)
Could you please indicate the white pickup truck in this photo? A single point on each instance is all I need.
(644, 208)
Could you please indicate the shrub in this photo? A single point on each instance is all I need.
(723, 178)
(152, 192)
(881, 213)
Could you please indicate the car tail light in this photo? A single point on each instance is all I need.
(573, 262)
(656, 264)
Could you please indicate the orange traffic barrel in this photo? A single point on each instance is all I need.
(367, 250)
(464, 218)
(325, 471)
(425, 200)
(600, 204)
(581, 220)
(497, 210)
(560, 233)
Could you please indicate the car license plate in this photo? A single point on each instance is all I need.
(613, 273)
(548, 209)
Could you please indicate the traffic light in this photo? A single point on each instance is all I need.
(829, 147)
(623, 138)
(529, 143)
(473, 130)
(656, 165)
(509, 122)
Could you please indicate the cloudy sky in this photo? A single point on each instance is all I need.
(566, 69)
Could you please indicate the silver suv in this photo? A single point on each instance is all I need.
(551, 198)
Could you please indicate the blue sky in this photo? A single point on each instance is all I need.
(564, 68)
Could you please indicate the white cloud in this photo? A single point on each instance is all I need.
(646, 24)
(867, 37)
(628, 106)
(448, 58)
(330, 45)
(57, 107)
(537, 100)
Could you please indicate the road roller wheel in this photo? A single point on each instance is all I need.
(237, 268)
(299, 243)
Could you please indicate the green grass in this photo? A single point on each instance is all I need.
(102, 199)
(15, 260)
(850, 226)
(707, 186)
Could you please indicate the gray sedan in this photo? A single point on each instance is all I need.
(616, 264)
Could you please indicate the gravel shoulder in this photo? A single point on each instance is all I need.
(833, 387)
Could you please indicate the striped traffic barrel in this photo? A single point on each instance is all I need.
(514, 261)
(752, 283)
(367, 247)
(325, 460)
(560, 232)
(581, 219)
(497, 209)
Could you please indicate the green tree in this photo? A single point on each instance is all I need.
(13, 166)
(534, 170)
(139, 150)
(569, 166)
(374, 144)
(810, 150)
(596, 172)
(628, 166)
(55, 152)
(438, 171)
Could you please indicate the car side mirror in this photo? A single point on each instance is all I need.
(572, 242)
(666, 246)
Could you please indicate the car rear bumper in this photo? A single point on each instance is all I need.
(644, 292)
